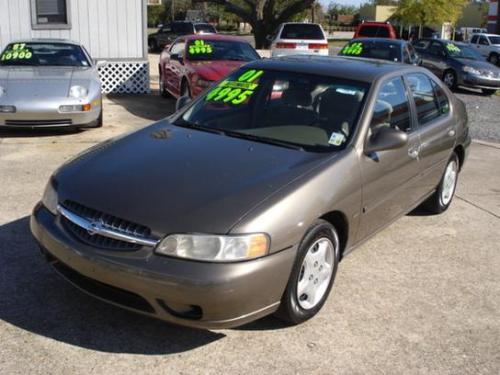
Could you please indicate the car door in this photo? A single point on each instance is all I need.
(484, 45)
(474, 42)
(389, 177)
(436, 59)
(435, 128)
(174, 66)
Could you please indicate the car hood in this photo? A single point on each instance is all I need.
(28, 81)
(215, 70)
(174, 179)
(478, 64)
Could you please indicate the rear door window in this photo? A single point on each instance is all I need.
(421, 45)
(302, 31)
(436, 49)
(427, 103)
(204, 28)
(474, 39)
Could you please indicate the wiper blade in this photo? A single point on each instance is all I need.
(192, 125)
(256, 138)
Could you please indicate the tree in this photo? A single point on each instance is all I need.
(263, 15)
(429, 12)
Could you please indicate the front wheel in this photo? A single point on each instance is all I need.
(312, 275)
(450, 79)
(441, 199)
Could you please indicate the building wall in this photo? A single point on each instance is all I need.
(493, 19)
(109, 29)
(378, 13)
(474, 15)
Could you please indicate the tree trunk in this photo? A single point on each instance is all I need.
(260, 33)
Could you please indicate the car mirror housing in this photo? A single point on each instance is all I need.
(182, 102)
(385, 139)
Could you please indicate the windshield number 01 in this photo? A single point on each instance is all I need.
(235, 95)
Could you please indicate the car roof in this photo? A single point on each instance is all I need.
(374, 23)
(300, 23)
(229, 38)
(46, 40)
(357, 69)
(486, 34)
(380, 40)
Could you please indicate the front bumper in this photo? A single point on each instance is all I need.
(190, 293)
(480, 82)
(42, 113)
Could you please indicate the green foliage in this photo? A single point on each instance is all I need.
(429, 12)
(156, 14)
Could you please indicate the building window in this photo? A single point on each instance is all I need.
(50, 14)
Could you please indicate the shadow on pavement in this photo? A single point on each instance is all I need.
(34, 298)
(151, 107)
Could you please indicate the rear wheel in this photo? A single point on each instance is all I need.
(450, 79)
(312, 275)
(441, 199)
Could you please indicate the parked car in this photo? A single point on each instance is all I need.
(168, 33)
(382, 48)
(193, 63)
(293, 38)
(49, 83)
(457, 64)
(487, 45)
(468, 32)
(375, 30)
(243, 202)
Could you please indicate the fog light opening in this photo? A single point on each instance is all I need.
(191, 312)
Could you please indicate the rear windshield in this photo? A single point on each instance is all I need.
(302, 31)
(374, 31)
(209, 50)
(373, 50)
(44, 54)
(204, 28)
(288, 109)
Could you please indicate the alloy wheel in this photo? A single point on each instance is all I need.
(449, 182)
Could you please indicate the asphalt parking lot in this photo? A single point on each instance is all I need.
(423, 296)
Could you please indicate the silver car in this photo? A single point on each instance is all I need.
(49, 83)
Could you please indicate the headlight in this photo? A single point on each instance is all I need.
(214, 248)
(78, 92)
(2, 91)
(49, 199)
(471, 70)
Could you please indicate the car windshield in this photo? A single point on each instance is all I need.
(302, 31)
(462, 51)
(494, 39)
(216, 50)
(373, 50)
(294, 110)
(43, 54)
(204, 28)
(374, 31)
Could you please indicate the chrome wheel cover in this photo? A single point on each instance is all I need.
(449, 182)
(449, 79)
(315, 273)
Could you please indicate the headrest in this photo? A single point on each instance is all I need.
(297, 97)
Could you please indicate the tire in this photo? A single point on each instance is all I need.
(185, 91)
(309, 271)
(450, 79)
(163, 91)
(441, 199)
(488, 92)
(493, 58)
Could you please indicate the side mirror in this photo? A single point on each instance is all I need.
(386, 139)
(177, 57)
(182, 102)
(100, 63)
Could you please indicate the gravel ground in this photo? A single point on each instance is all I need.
(484, 115)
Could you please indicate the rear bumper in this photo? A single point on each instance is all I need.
(196, 294)
(276, 52)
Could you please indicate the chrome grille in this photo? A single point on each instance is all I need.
(108, 222)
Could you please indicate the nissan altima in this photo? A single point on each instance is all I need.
(243, 202)
(48, 83)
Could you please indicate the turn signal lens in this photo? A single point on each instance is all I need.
(318, 46)
(75, 108)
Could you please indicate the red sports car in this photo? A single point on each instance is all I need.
(192, 63)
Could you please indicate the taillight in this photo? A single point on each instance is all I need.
(286, 45)
(318, 46)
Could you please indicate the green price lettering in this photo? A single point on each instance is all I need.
(353, 49)
(235, 92)
(200, 47)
